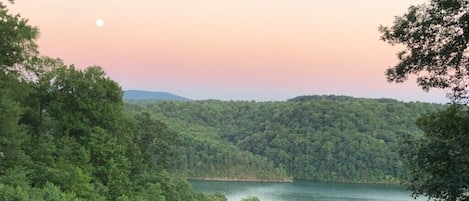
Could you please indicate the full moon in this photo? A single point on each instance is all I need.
(100, 22)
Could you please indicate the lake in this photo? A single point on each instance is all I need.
(303, 190)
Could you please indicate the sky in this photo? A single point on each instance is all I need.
(263, 50)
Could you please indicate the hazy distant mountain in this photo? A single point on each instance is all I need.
(151, 95)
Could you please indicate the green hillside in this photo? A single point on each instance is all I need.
(333, 138)
(65, 136)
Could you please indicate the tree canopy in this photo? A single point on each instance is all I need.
(18, 41)
(332, 138)
(439, 161)
(64, 135)
(435, 36)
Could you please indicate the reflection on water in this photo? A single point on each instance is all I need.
(305, 191)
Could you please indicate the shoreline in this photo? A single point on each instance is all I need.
(223, 179)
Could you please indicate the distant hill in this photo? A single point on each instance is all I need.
(330, 138)
(151, 95)
(337, 98)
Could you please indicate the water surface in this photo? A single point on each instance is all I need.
(305, 191)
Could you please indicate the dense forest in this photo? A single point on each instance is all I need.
(333, 138)
(65, 136)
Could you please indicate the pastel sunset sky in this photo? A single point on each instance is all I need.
(230, 49)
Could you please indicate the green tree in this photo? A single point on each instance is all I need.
(439, 161)
(81, 99)
(12, 135)
(436, 37)
(17, 47)
(214, 197)
(158, 144)
(17, 40)
(64, 134)
(250, 198)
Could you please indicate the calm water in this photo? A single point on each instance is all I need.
(305, 191)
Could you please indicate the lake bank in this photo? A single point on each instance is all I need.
(228, 179)
(225, 179)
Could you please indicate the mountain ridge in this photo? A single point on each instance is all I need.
(151, 95)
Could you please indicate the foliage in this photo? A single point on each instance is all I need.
(313, 137)
(18, 42)
(250, 198)
(158, 144)
(439, 160)
(436, 37)
(64, 135)
(214, 197)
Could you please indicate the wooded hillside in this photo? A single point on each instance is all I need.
(333, 138)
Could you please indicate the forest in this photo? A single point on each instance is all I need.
(66, 133)
(329, 138)
(65, 136)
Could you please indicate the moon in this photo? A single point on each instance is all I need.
(99, 22)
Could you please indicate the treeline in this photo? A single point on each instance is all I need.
(64, 134)
(203, 154)
(333, 138)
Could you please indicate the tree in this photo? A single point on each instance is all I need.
(17, 40)
(81, 99)
(158, 144)
(86, 118)
(250, 198)
(64, 134)
(435, 36)
(12, 135)
(16, 46)
(439, 161)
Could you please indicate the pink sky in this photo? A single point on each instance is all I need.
(229, 50)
